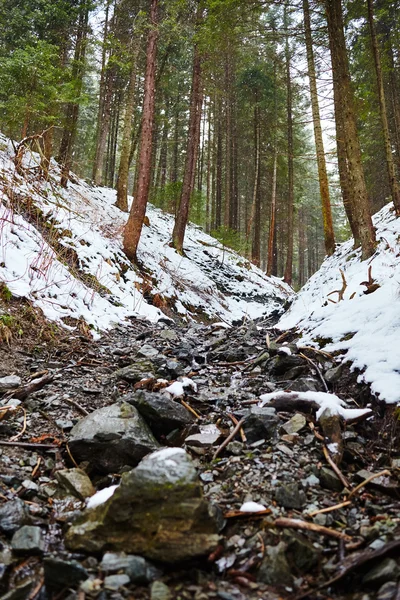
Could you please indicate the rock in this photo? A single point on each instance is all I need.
(330, 480)
(261, 423)
(295, 424)
(302, 555)
(28, 539)
(141, 369)
(387, 570)
(208, 436)
(333, 375)
(169, 334)
(11, 382)
(21, 591)
(274, 568)
(303, 384)
(13, 514)
(161, 413)
(114, 582)
(280, 365)
(158, 512)
(235, 447)
(388, 591)
(59, 573)
(148, 351)
(77, 482)
(290, 496)
(138, 569)
(174, 368)
(160, 591)
(111, 438)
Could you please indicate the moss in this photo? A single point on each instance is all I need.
(5, 293)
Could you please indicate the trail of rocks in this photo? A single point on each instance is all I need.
(134, 424)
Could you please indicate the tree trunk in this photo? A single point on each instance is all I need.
(218, 169)
(196, 101)
(272, 220)
(358, 197)
(319, 145)
(123, 171)
(288, 275)
(254, 221)
(394, 186)
(134, 225)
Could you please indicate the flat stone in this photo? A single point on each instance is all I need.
(160, 591)
(115, 582)
(290, 496)
(303, 384)
(169, 334)
(148, 351)
(11, 382)
(13, 514)
(302, 555)
(28, 539)
(77, 482)
(330, 480)
(111, 438)
(295, 424)
(138, 569)
(274, 568)
(158, 511)
(261, 423)
(387, 570)
(208, 436)
(161, 413)
(139, 370)
(333, 375)
(59, 573)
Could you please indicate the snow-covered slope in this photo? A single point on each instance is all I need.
(365, 326)
(62, 250)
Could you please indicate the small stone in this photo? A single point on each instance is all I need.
(160, 591)
(76, 482)
(235, 448)
(261, 423)
(387, 591)
(303, 384)
(148, 351)
(169, 334)
(13, 514)
(330, 480)
(301, 553)
(274, 568)
(396, 463)
(161, 413)
(387, 570)
(28, 484)
(59, 573)
(141, 369)
(290, 496)
(92, 585)
(138, 569)
(11, 382)
(208, 436)
(333, 375)
(28, 539)
(115, 582)
(295, 424)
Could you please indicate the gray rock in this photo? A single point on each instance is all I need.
(274, 568)
(303, 384)
(290, 496)
(59, 573)
(260, 424)
(13, 514)
(9, 383)
(158, 512)
(148, 351)
(141, 369)
(115, 582)
(295, 424)
(111, 438)
(282, 364)
(20, 592)
(388, 591)
(174, 368)
(387, 570)
(169, 334)
(330, 480)
(160, 591)
(333, 375)
(160, 412)
(28, 539)
(235, 447)
(208, 436)
(138, 569)
(76, 482)
(302, 555)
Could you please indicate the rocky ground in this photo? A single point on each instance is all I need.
(78, 416)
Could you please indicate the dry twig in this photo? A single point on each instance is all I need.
(228, 439)
(368, 480)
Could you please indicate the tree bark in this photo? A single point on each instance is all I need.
(319, 144)
(358, 197)
(394, 185)
(134, 225)
(272, 220)
(288, 275)
(196, 101)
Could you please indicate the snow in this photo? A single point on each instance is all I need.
(364, 328)
(175, 389)
(101, 496)
(252, 507)
(64, 254)
(325, 401)
(166, 453)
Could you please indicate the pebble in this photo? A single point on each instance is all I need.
(160, 591)
(28, 539)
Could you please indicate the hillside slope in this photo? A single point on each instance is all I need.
(365, 325)
(62, 250)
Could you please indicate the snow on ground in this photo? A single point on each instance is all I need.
(364, 327)
(68, 259)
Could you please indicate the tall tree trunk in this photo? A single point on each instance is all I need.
(319, 144)
(123, 170)
(196, 101)
(253, 225)
(228, 137)
(208, 170)
(72, 109)
(272, 220)
(218, 169)
(105, 119)
(137, 213)
(394, 185)
(358, 197)
(288, 275)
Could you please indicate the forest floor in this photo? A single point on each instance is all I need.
(349, 544)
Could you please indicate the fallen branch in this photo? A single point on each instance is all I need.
(322, 511)
(235, 422)
(190, 409)
(343, 479)
(24, 391)
(230, 437)
(78, 407)
(342, 289)
(304, 525)
(367, 481)
(370, 284)
(30, 445)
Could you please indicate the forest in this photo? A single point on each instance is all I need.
(222, 111)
